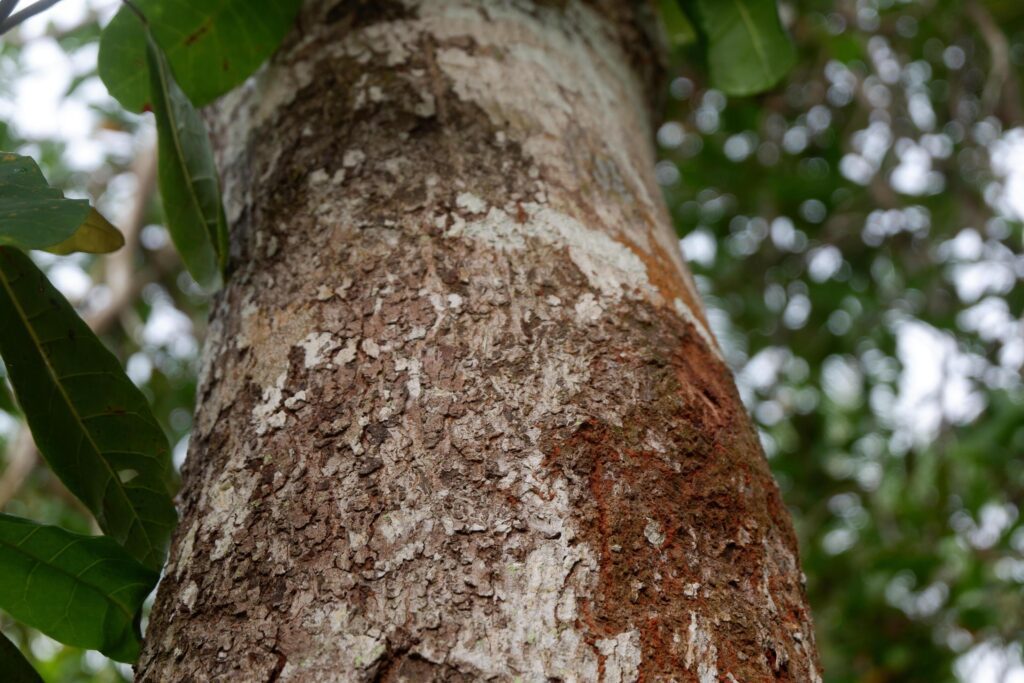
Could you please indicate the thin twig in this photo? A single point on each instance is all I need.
(1000, 86)
(56, 32)
(124, 281)
(27, 13)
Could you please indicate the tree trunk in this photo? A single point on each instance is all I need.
(461, 416)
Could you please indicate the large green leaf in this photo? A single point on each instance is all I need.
(34, 215)
(188, 176)
(748, 50)
(89, 421)
(85, 591)
(14, 665)
(213, 45)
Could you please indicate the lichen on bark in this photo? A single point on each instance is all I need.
(461, 416)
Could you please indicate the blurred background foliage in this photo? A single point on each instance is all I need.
(857, 237)
(857, 234)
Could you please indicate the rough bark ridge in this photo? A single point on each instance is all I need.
(460, 415)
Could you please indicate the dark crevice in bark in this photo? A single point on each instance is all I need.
(390, 663)
(353, 15)
(282, 660)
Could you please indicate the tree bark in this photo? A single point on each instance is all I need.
(460, 415)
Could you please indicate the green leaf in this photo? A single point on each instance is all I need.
(34, 215)
(94, 236)
(748, 50)
(14, 665)
(89, 421)
(188, 177)
(213, 45)
(678, 29)
(84, 591)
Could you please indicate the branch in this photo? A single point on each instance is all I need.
(1000, 86)
(57, 33)
(27, 13)
(6, 7)
(124, 281)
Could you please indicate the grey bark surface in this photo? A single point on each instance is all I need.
(460, 415)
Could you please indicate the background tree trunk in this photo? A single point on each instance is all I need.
(460, 414)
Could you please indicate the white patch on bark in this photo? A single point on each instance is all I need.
(701, 651)
(214, 339)
(588, 310)
(622, 663)
(347, 354)
(470, 202)
(653, 533)
(262, 412)
(370, 348)
(609, 265)
(250, 106)
(295, 401)
(351, 649)
(189, 594)
(227, 509)
(185, 552)
(532, 635)
(353, 158)
(766, 589)
(316, 344)
(413, 367)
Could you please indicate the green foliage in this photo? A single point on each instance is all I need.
(814, 261)
(747, 49)
(15, 667)
(94, 236)
(212, 45)
(93, 589)
(90, 422)
(34, 215)
(188, 178)
(678, 28)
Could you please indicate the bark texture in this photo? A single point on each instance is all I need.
(461, 417)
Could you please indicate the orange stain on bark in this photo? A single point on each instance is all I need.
(664, 273)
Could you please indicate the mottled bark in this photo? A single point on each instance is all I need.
(461, 417)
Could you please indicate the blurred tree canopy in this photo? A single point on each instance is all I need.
(857, 234)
